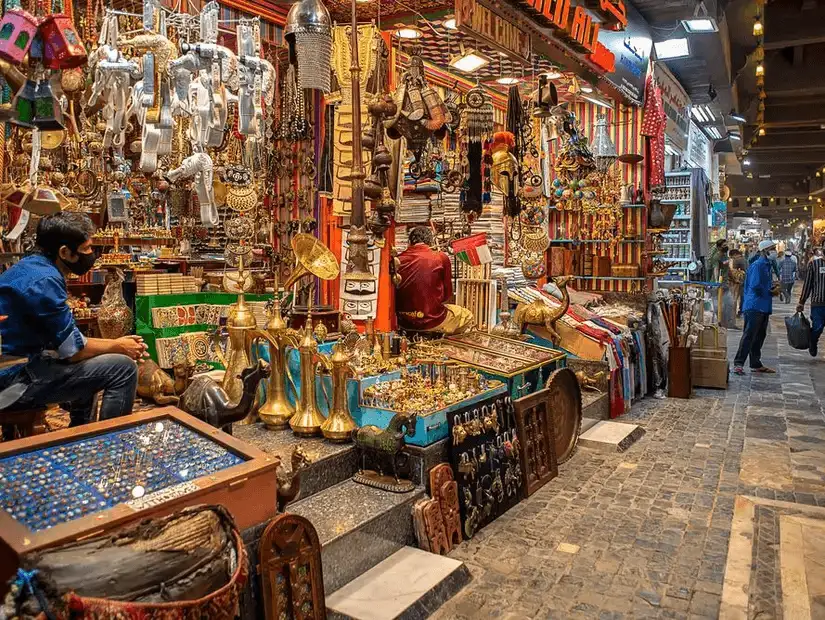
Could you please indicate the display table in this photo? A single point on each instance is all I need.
(69, 484)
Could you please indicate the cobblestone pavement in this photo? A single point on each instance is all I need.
(645, 533)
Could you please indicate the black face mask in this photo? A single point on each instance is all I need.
(84, 263)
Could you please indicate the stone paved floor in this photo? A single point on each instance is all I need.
(645, 533)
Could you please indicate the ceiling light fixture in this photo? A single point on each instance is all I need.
(409, 33)
(507, 80)
(795, 200)
(451, 24)
(469, 61)
(734, 135)
(760, 70)
(587, 89)
(761, 131)
(714, 133)
(672, 48)
(737, 117)
(598, 102)
(701, 22)
(698, 113)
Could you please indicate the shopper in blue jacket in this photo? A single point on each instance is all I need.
(757, 308)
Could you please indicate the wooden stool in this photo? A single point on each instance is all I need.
(19, 423)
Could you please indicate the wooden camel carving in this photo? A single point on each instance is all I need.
(539, 313)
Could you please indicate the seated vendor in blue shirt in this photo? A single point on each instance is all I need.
(63, 365)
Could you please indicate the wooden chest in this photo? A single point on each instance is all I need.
(80, 482)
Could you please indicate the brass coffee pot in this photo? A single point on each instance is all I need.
(308, 418)
(240, 322)
(339, 425)
(276, 412)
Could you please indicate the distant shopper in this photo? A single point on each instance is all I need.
(736, 275)
(787, 275)
(814, 287)
(757, 307)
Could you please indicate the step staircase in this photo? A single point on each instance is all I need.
(364, 532)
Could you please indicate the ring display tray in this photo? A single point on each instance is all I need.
(82, 481)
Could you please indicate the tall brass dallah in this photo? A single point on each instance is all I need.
(339, 424)
(276, 412)
(308, 418)
(240, 322)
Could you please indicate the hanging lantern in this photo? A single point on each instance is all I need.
(63, 48)
(17, 31)
(43, 200)
(603, 148)
(35, 106)
(23, 104)
(308, 31)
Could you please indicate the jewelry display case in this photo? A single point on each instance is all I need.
(72, 484)
(524, 367)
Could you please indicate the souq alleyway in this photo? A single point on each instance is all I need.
(718, 511)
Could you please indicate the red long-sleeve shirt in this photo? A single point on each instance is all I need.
(426, 284)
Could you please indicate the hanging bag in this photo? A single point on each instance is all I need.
(799, 331)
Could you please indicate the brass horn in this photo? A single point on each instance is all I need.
(313, 258)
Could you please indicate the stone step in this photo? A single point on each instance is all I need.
(606, 436)
(408, 585)
(330, 463)
(358, 526)
(596, 405)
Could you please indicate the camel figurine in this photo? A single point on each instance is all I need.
(289, 482)
(206, 399)
(539, 313)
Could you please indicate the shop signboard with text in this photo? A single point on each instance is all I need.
(677, 105)
(630, 49)
(698, 149)
(484, 25)
(608, 37)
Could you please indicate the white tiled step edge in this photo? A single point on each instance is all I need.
(409, 584)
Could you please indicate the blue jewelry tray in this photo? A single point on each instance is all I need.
(69, 484)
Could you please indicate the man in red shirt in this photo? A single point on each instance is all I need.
(426, 285)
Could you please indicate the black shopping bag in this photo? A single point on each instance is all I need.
(799, 331)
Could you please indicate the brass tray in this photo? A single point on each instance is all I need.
(566, 398)
(507, 346)
(490, 361)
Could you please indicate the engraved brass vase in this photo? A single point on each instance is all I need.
(308, 418)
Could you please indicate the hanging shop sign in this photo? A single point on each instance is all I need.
(630, 49)
(613, 13)
(698, 149)
(677, 105)
(483, 24)
(572, 24)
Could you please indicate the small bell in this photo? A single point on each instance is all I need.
(382, 160)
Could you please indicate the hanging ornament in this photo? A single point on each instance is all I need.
(308, 31)
(603, 148)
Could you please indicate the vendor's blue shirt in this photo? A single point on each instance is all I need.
(33, 295)
(758, 287)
